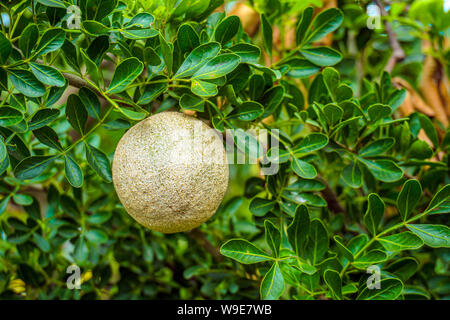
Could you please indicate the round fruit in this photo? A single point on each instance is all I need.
(170, 172)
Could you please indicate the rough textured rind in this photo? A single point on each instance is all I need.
(170, 172)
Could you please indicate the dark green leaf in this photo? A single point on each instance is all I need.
(73, 172)
(227, 29)
(126, 72)
(272, 285)
(374, 213)
(47, 75)
(401, 241)
(32, 167)
(273, 237)
(322, 56)
(408, 197)
(99, 162)
(76, 113)
(433, 235)
(298, 230)
(334, 283)
(26, 83)
(51, 40)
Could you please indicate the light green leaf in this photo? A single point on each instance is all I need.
(436, 236)
(259, 206)
(196, 59)
(401, 241)
(203, 88)
(243, 251)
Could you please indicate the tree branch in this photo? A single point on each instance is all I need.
(201, 239)
(331, 198)
(397, 52)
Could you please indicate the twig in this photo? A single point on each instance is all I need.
(331, 198)
(397, 52)
(201, 239)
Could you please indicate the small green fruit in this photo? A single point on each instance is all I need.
(170, 172)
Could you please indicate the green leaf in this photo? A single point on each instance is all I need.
(342, 248)
(136, 34)
(306, 185)
(247, 143)
(53, 3)
(404, 268)
(42, 118)
(247, 52)
(334, 283)
(126, 72)
(301, 68)
(90, 102)
(47, 75)
(352, 175)
(76, 113)
(374, 213)
(23, 199)
(3, 151)
(310, 143)
(227, 29)
(142, 20)
(408, 197)
(318, 241)
(218, 67)
(99, 162)
(259, 206)
(5, 49)
(298, 230)
(377, 147)
(95, 28)
(243, 251)
(440, 202)
(73, 172)
(433, 235)
(51, 40)
(203, 88)
(41, 242)
(372, 257)
(9, 116)
(191, 102)
(167, 53)
(303, 25)
(322, 56)
(27, 39)
(26, 83)
(188, 38)
(429, 129)
(273, 237)
(272, 285)
(196, 59)
(333, 113)
(390, 289)
(267, 34)
(383, 170)
(303, 169)
(48, 136)
(378, 111)
(420, 150)
(32, 167)
(81, 250)
(324, 23)
(97, 236)
(152, 91)
(249, 110)
(401, 241)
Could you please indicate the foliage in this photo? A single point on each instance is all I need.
(357, 185)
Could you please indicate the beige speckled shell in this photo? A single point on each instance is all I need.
(170, 172)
